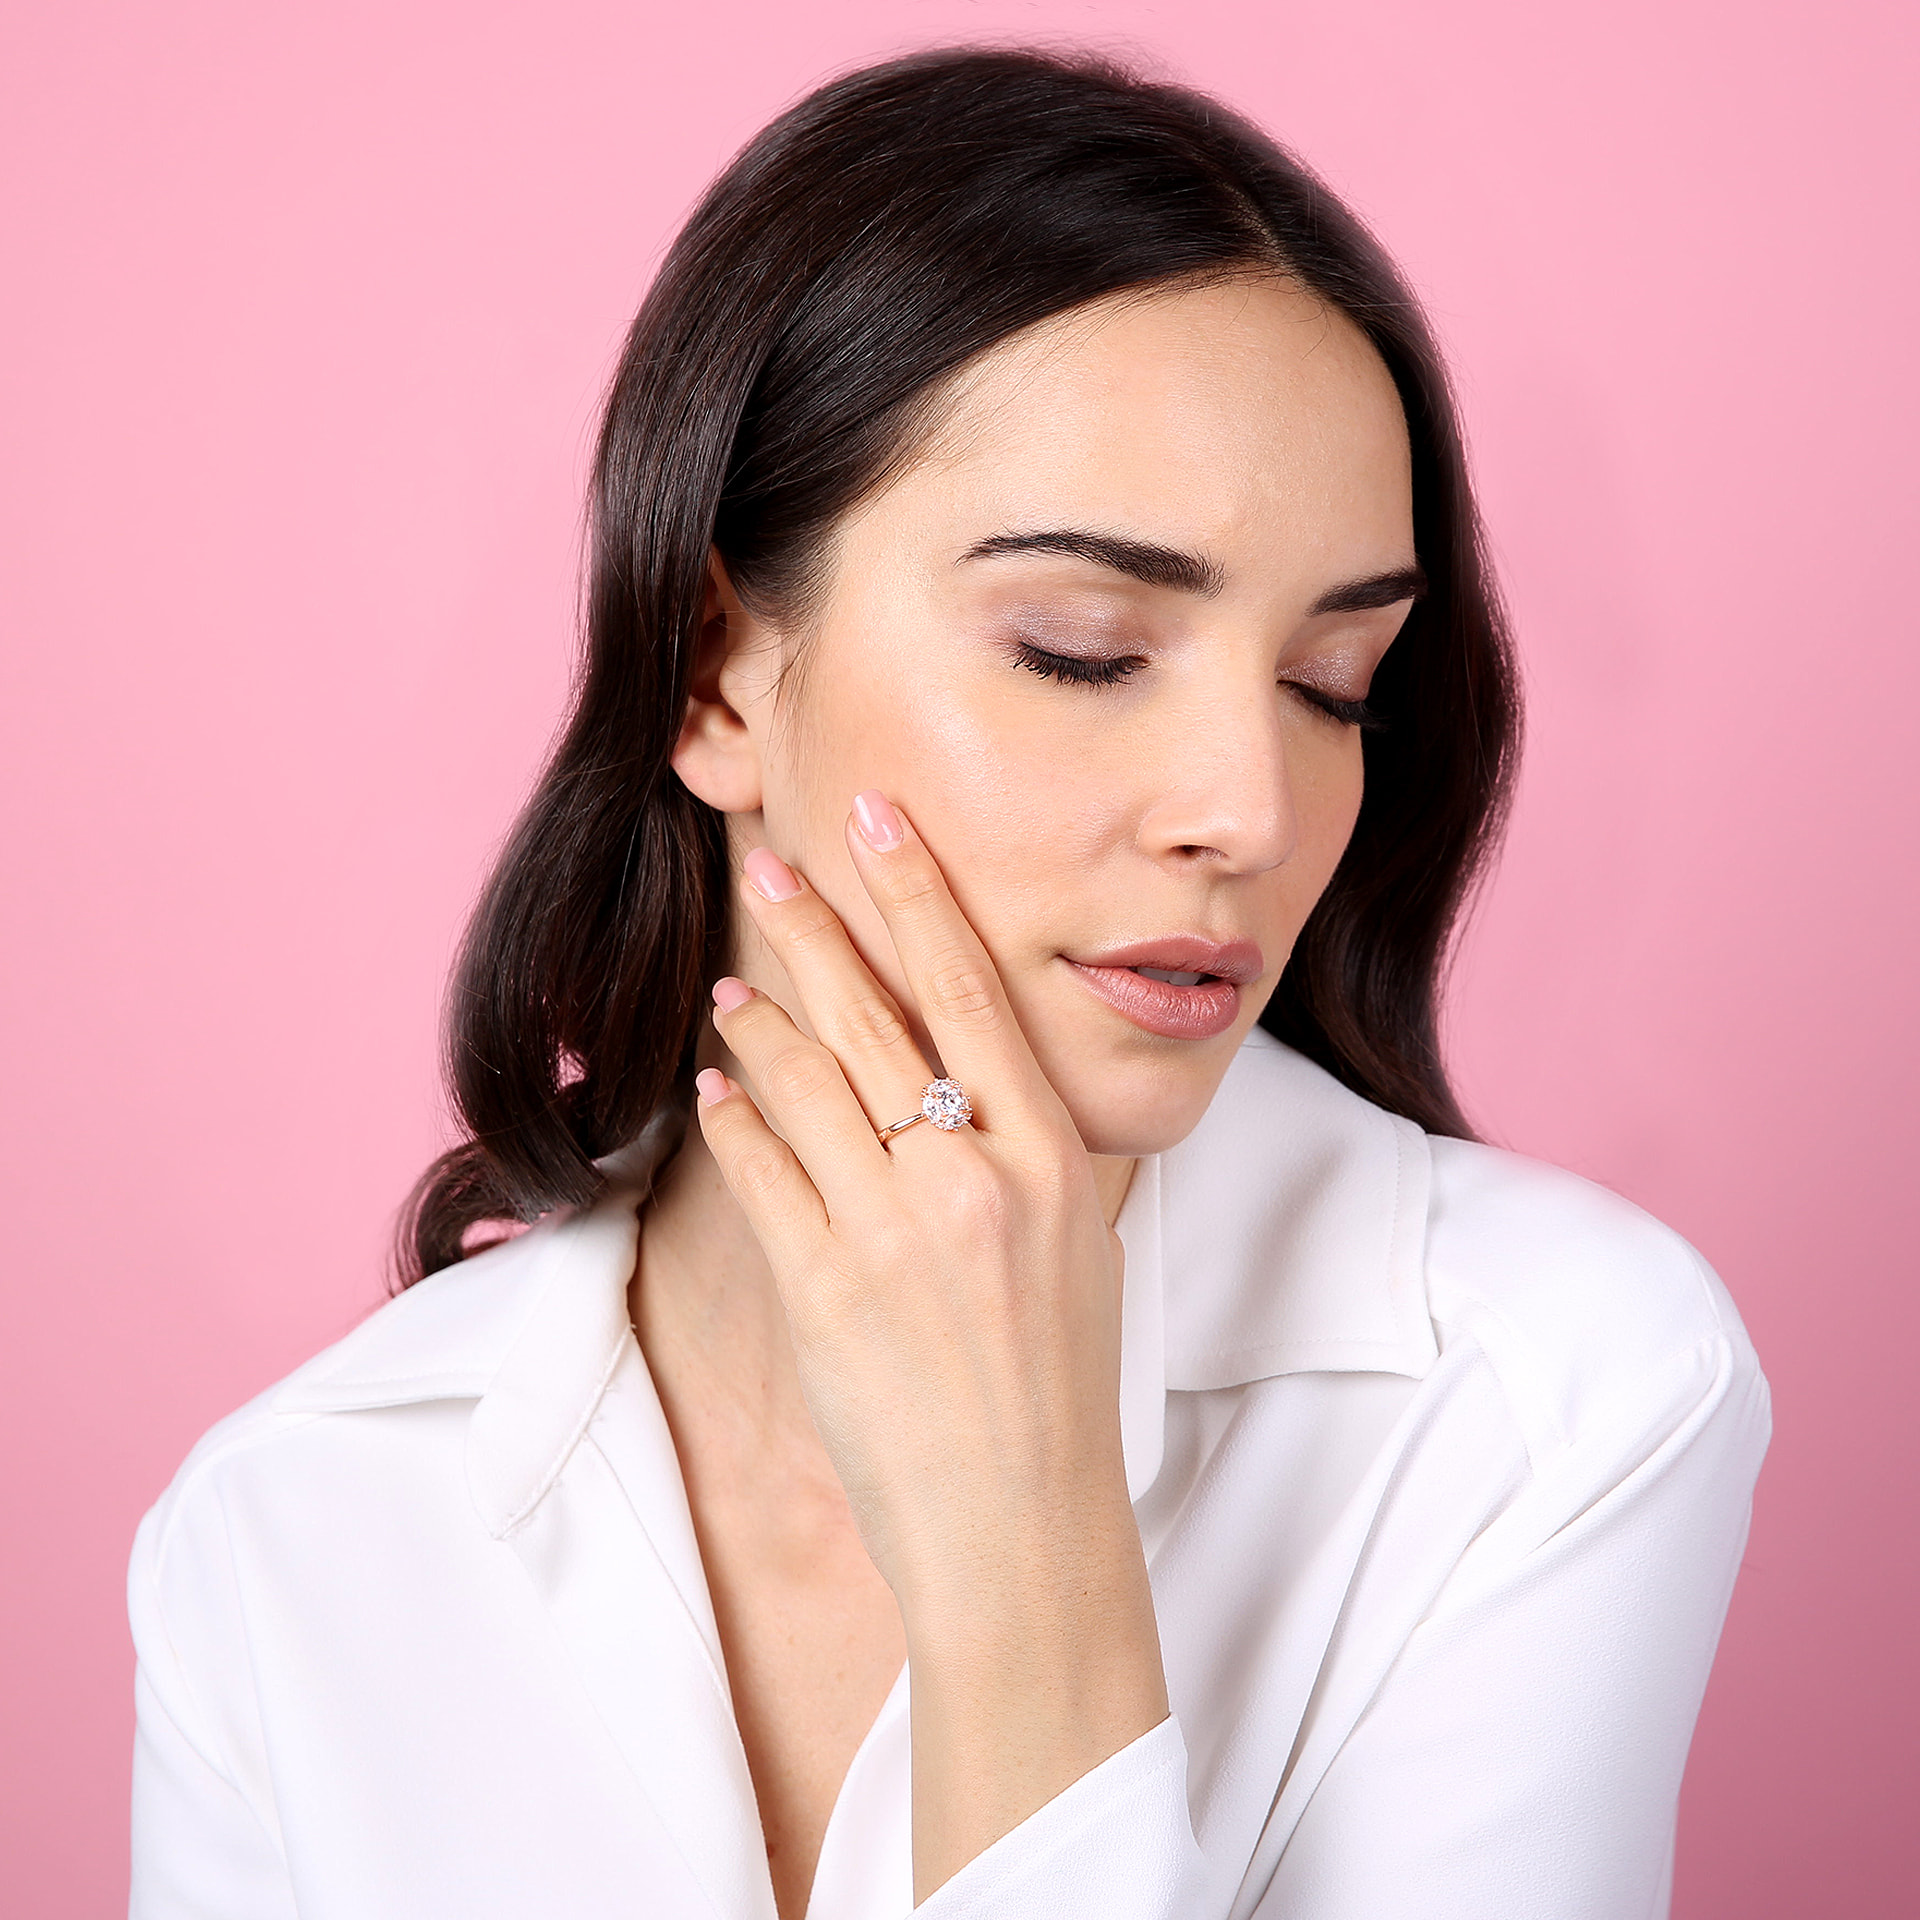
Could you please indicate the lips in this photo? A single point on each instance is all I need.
(1182, 988)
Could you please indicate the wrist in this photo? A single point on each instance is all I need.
(1005, 1596)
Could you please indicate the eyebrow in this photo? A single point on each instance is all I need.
(1376, 590)
(1158, 566)
(1140, 560)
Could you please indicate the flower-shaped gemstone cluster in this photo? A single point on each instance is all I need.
(946, 1105)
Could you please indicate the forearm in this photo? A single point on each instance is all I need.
(1028, 1671)
(911, 1275)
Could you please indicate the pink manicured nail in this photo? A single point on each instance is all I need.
(879, 824)
(770, 876)
(729, 993)
(711, 1084)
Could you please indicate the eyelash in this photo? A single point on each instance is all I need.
(1073, 671)
(1076, 672)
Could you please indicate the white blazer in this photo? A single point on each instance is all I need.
(1442, 1460)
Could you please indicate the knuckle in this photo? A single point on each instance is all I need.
(911, 887)
(977, 1200)
(813, 925)
(758, 1171)
(963, 990)
(795, 1076)
(870, 1021)
(752, 1023)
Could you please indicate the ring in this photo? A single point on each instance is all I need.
(944, 1103)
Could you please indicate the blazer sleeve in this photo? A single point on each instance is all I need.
(1522, 1755)
(1116, 1845)
(205, 1840)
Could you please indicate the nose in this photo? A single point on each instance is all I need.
(1221, 794)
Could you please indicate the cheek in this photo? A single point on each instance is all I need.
(1007, 806)
(1328, 777)
(1016, 800)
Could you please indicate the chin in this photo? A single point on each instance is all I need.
(1134, 1108)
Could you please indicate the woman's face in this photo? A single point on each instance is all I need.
(1088, 641)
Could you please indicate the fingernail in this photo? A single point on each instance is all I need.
(729, 993)
(770, 876)
(879, 824)
(711, 1084)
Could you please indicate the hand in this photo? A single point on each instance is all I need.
(954, 1298)
(954, 1303)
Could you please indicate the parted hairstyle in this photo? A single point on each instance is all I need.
(790, 356)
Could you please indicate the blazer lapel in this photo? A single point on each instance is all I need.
(572, 1466)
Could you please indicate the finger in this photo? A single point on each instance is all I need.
(953, 979)
(762, 1172)
(802, 1093)
(851, 1013)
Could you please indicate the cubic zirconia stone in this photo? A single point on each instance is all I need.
(946, 1106)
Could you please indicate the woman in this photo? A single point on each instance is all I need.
(1023, 1396)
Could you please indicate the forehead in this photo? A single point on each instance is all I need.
(1250, 420)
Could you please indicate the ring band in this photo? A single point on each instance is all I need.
(944, 1103)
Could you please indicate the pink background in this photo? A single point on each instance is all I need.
(307, 312)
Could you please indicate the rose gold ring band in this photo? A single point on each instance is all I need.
(944, 1102)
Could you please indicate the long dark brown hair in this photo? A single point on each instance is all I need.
(862, 249)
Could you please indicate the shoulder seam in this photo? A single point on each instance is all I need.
(197, 1735)
(192, 1471)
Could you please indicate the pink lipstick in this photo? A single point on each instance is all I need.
(1182, 987)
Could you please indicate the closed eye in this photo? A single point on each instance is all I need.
(1109, 670)
(1350, 713)
(1076, 670)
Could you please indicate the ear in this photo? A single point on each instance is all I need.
(717, 756)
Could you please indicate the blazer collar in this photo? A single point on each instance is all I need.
(532, 1330)
(1293, 1230)
(1284, 1235)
